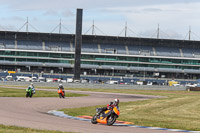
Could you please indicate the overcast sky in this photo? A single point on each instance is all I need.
(142, 16)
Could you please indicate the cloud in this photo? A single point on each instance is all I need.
(152, 10)
(50, 12)
(63, 13)
(168, 34)
(67, 13)
(87, 4)
(110, 16)
(17, 18)
(13, 19)
(8, 27)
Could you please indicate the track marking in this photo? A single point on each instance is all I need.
(63, 115)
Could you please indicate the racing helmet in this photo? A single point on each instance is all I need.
(116, 102)
(60, 85)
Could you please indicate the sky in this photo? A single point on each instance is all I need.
(142, 17)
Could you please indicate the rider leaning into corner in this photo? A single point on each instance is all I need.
(110, 106)
(31, 86)
(61, 87)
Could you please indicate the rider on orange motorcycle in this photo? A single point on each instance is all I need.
(109, 106)
(61, 87)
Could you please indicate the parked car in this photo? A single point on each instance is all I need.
(20, 78)
(76, 81)
(176, 84)
(122, 83)
(70, 80)
(49, 79)
(34, 79)
(63, 81)
(85, 81)
(41, 79)
(112, 82)
(55, 80)
(9, 78)
(191, 85)
(149, 83)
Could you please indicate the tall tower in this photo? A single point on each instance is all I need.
(78, 44)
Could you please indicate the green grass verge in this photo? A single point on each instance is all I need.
(15, 129)
(11, 92)
(179, 110)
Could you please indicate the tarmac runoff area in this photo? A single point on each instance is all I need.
(34, 113)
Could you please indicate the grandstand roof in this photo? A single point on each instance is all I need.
(99, 39)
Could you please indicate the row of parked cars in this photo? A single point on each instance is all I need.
(97, 81)
(169, 83)
(35, 79)
(68, 80)
(23, 79)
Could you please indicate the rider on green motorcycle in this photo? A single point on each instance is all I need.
(31, 88)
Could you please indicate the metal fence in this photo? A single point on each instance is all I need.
(96, 86)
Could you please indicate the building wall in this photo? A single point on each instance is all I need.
(145, 60)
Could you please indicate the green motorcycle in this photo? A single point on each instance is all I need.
(29, 92)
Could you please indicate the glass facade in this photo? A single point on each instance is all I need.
(100, 60)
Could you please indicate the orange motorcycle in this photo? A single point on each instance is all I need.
(61, 93)
(107, 117)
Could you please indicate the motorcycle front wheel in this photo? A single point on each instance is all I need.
(111, 120)
(94, 119)
(27, 94)
(60, 95)
(63, 94)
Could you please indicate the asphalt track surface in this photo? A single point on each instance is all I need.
(32, 112)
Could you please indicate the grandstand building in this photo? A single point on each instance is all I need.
(101, 55)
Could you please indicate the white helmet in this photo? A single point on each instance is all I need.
(116, 102)
(60, 85)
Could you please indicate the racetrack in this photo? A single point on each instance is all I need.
(32, 112)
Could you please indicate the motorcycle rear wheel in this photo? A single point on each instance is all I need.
(94, 119)
(31, 95)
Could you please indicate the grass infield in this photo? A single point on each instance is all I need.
(178, 110)
(15, 129)
(11, 92)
